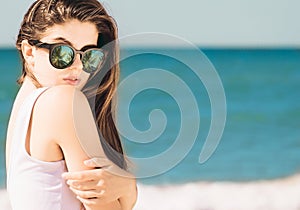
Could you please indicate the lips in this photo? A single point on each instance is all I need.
(72, 80)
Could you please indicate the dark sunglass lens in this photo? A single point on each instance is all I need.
(62, 56)
(92, 60)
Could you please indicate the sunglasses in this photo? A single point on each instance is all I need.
(62, 56)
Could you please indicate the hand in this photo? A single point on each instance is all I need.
(101, 186)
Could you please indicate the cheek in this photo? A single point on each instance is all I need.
(44, 72)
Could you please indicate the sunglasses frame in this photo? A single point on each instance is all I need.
(82, 52)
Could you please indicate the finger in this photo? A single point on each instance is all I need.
(116, 170)
(93, 201)
(98, 162)
(90, 185)
(88, 202)
(107, 165)
(87, 194)
(86, 175)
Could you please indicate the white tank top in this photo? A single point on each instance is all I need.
(33, 184)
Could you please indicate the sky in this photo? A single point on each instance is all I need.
(206, 23)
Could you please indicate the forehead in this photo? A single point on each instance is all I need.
(78, 33)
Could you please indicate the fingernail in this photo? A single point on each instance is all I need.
(87, 161)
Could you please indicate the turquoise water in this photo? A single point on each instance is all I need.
(261, 139)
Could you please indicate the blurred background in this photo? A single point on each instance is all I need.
(253, 45)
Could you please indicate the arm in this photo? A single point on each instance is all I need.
(69, 126)
(125, 181)
(108, 186)
(118, 183)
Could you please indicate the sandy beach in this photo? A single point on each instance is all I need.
(281, 194)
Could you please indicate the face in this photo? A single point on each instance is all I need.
(78, 35)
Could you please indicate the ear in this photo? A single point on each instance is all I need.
(28, 52)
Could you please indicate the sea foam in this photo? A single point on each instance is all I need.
(279, 194)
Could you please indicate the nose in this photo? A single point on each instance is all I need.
(77, 64)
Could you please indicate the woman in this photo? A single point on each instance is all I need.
(66, 46)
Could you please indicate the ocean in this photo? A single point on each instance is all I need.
(261, 138)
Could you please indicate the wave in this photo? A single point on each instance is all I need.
(277, 194)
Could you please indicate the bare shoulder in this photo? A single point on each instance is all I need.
(59, 100)
(54, 108)
(62, 114)
(67, 117)
(59, 94)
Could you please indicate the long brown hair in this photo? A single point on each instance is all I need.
(101, 85)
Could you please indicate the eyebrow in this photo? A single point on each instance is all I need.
(61, 39)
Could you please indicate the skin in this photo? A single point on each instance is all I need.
(53, 136)
(114, 184)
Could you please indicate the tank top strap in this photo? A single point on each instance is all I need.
(24, 115)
